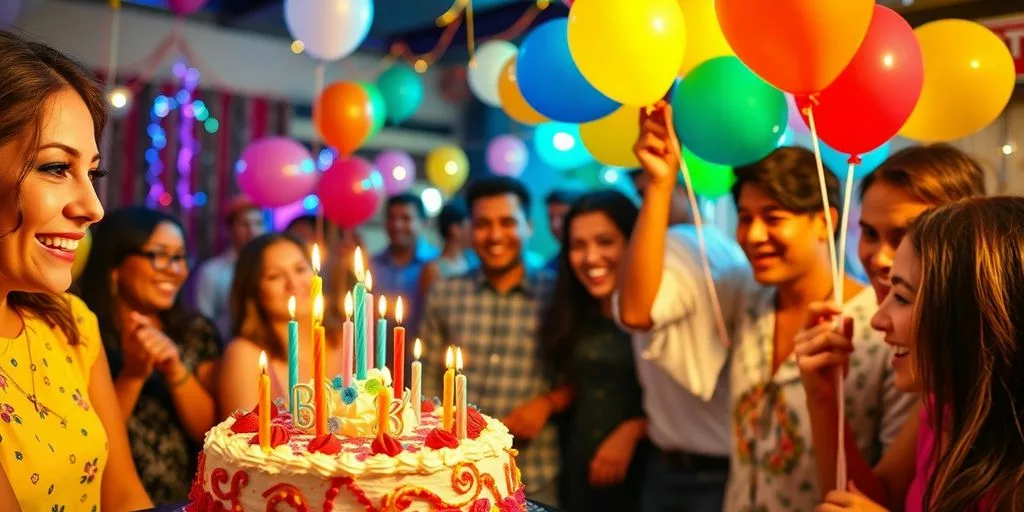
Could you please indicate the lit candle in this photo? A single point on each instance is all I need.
(360, 316)
(417, 375)
(346, 343)
(448, 393)
(318, 283)
(460, 397)
(398, 371)
(264, 404)
(319, 367)
(293, 354)
(383, 411)
(382, 332)
(370, 347)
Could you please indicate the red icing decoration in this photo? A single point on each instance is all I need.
(427, 406)
(328, 444)
(207, 503)
(247, 424)
(278, 436)
(475, 423)
(196, 495)
(286, 494)
(385, 444)
(481, 505)
(438, 439)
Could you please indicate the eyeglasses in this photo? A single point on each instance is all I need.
(163, 261)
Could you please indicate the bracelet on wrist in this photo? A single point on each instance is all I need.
(181, 380)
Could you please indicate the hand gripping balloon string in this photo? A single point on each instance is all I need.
(837, 286)
(698, 223)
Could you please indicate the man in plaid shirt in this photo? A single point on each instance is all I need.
(493, 314)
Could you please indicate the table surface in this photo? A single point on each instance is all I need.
(531, 506)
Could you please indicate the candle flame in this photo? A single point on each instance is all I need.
(382, 306)
(449, 356)
(291, 306)
(348, 305)
(369, 281)
(263, 361)
(398, 310)
(318, 308)
(359, 264)
(316, 258)
(417, 349)
(458, 359)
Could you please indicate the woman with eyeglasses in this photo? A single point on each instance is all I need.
(161, 354)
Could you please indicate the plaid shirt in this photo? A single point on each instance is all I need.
(504, 367)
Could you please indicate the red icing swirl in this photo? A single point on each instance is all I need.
(328, 444)
(246, 424)
(438, 439)
(475, 423)
(427, 406)
(385, 444)
(278, 436)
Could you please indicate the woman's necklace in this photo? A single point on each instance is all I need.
(42, 409)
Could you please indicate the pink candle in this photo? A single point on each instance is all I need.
(346, 342)
(398, 371)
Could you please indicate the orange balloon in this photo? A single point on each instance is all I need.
(343, 114)
(799, 46)
(512, 101)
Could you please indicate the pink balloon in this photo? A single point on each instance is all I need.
(507, 155)
(351, 191)
(276, 171)
(796, 122)
(186, 7)
(568, 3)
(397, 169)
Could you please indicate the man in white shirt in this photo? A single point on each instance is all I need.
(244, 220)
(664, 300)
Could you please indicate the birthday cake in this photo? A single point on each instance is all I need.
(415, 465)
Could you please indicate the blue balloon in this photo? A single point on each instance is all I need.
(839, 164)
(402, 90)
(559, 146)
(550, 81)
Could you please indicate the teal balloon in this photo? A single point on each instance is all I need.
(559, 145)
(726, 114)
(378, 107)
(708, 179)
(839, 163)
(402, 90)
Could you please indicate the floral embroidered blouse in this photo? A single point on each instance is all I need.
(772, 462)
(54, 455)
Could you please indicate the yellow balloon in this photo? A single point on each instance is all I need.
(447, 168)
(704, 37)
(629, 50)
(610, 139)
(968, 80)
(81, 255)
(512, 100)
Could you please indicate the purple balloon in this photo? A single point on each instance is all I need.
(351, 191)
(186, 7)
(507, 155)
(397, 169)
(9, 11)
(276, 171)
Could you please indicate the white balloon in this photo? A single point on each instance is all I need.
(489, 60)
(329, 29)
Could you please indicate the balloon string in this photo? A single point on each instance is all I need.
(698, 223)
(318, 87)
(837, 287)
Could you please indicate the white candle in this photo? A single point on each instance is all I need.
(417, 385)
(460, 397)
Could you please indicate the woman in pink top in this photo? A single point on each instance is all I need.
(955, 315)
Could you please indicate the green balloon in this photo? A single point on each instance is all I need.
(725, 114)
(402, 90)
(708, 179)
(378, 107)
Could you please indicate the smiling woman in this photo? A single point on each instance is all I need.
(64, 444)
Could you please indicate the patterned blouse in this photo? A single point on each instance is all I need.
(54, 454)
(772, 461)
(164, 455)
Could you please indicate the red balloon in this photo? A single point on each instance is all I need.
(873, 97)
(343, 114)
(350, 191)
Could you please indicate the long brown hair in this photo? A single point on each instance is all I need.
(32, 73)
(969, 327)
(934, 174)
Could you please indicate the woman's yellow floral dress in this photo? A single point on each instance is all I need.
(54, 451)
